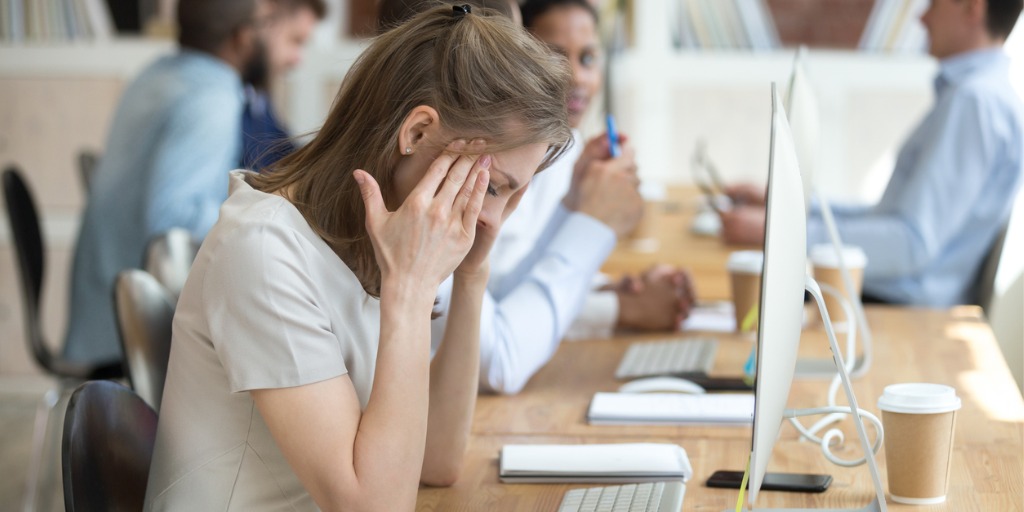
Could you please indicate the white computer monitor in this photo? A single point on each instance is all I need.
(801, 104)
(784, 280)
(782, 292)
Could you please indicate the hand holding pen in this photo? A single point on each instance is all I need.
(605, 187)
(614, 146)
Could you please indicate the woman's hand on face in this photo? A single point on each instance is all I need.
(430, 234)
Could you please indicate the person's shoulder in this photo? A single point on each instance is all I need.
(255, 222)
(187, 83)
(987, 98)
(989, 85)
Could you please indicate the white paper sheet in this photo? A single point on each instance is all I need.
(671, 409)
(716, 317)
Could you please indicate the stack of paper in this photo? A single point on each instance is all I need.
(671, 409)
(712, 317)
(593, 463)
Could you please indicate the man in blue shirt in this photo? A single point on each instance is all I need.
(175, 136)
(265, 140)
(956, 176)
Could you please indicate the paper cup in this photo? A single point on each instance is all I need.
(919, 421)
(825, 261)
(745, 277)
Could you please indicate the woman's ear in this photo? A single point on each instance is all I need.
(422, 125)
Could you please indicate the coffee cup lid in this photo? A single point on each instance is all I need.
(918, 398)
(825, 255)
(747, 262)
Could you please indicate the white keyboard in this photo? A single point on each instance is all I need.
(646, 497)
(669, 357)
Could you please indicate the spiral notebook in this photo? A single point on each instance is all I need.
(593, 463)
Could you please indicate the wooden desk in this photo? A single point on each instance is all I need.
(954, 347)
(981, 479)
(665, 237)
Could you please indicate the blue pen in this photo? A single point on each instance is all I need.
(613, 138)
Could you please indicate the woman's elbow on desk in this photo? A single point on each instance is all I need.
(442, 474)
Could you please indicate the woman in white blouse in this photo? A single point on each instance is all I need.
(318, 283)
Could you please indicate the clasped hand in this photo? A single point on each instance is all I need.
(659, 299)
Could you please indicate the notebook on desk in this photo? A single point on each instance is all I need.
(593, 463)
(671, 409)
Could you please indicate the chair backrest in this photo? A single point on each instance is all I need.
(107, 445)
(88, 162)
(28, 244)
(1007, 323)
(986, 283)
(144, 314)
(169, 258)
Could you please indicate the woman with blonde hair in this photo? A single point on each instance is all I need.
(317, 283)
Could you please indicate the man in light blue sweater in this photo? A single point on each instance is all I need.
(956, 176)
(174, 138)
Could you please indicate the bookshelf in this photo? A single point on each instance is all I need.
(55, 20)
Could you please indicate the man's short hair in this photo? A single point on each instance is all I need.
(207, 24)
(318, 7)
(393, 12)
(1001, 16)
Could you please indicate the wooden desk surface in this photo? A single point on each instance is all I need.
(665, 237)
(982, 479)
(954, 347)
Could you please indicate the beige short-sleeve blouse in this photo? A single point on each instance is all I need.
(267, 304)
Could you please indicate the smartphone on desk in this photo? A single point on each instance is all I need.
(719, 383)
(793, 482)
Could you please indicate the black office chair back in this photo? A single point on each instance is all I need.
(88, 162)
(985, 286)
(28, 244)
(109, 433)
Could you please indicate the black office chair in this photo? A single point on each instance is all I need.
(985, 285)
(28, 243)
(109, 433)
(88, 162)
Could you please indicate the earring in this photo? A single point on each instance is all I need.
(408, 150)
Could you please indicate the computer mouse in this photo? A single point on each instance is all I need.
(661, 385)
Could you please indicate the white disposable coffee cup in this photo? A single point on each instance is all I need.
(825, 260)
(918, 420)
(745, 277)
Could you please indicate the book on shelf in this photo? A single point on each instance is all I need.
(723, 24)
(54, 20)
(894, 26)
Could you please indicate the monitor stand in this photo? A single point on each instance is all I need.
(823, 368)
(877, 503)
